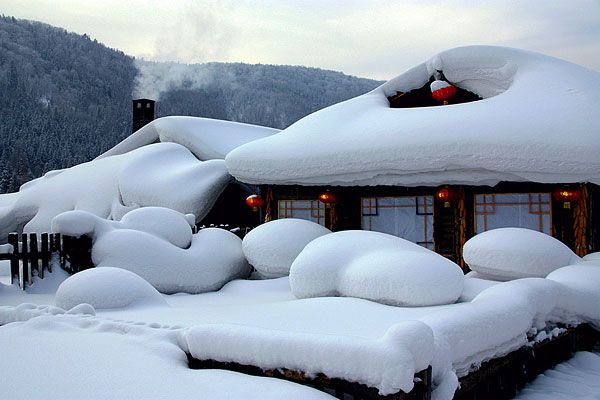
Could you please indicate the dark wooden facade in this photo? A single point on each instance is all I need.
(142, 113)
(454, 222)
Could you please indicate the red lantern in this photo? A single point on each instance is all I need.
(255, 201)
(446, 195)
(442, 91)
(327, 198)
(566, 196)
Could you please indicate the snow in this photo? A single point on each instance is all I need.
(516, 253)
(576, 378)
(393, 359)
(375, 266)
(157, 244)
(206, 138)
(106, 288)
(161, 174)
(272, 247)
(516, 133)
(83, 357)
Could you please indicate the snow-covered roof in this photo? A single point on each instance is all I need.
(206, 138)
(537, 122)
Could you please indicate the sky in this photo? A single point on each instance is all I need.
(369, 38)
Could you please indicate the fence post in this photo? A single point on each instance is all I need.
(25, 261)
(63, 248)
(13, 239)
(45, 254)
(34, 255)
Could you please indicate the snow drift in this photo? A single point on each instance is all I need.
(537, 122)
(206, 138)
(157, 244)
(375, 266)
(272, 247)
(106, 288)
(512, 253)
(160, 174)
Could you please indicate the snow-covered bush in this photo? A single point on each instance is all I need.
(375, 266)
(516, 253)
(158, 245)
(272, 247)
(106, 288)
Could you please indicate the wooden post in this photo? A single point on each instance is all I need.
(25, 261)
(13, 239)
(63, 248)
(34, 254)
(45, 254)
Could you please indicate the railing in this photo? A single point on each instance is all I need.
(31, 256)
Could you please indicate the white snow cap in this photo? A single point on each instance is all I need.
(207, 138)
(375, 266)
(437, 85)
(537, 122)
(516, 253)
(158, 245)
(106, 288)
(160, 174)
(272, 247)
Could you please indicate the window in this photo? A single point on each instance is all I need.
(139, 105)
(410, 218)
(312, 210)
(521, 210)
(147, 105)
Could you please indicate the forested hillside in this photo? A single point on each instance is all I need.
(65, 98)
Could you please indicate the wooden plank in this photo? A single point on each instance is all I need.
(24, 256)
(13, 239)
(34, 256)
(45, 254)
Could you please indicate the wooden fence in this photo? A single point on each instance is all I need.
(30, 255)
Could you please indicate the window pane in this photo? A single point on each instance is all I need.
(520, 210)
(312, 210)
(410, 218)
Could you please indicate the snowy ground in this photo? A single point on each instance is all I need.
(576, 378)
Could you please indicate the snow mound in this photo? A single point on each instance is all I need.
(206, 138)
(581, 294)
(528, 99)
(106, 288)
(388, 364)
(516, 253)
(375, 266)
(272, 247)
(158, 245)
(161, 174)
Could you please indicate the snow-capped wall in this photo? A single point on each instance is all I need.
(537, 122)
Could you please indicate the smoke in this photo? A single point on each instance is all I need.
(201, 33)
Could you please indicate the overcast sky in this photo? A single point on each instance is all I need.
(370, 38)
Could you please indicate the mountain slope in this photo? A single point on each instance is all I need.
(65, 98)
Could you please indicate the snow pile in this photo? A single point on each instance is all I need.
(90, 358)
(375, 266)
(106, 288)
(157, 244)
(388, 364)
(516, 253)
(529, 99)
(206, 138)
(581, 292)
(161, 174)
(272, 247)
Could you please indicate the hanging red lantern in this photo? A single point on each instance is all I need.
(566, 196)
(446, 195)
(327, 198)
(255, 201)
(442, 91)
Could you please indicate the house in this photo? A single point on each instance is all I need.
(516, 145)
